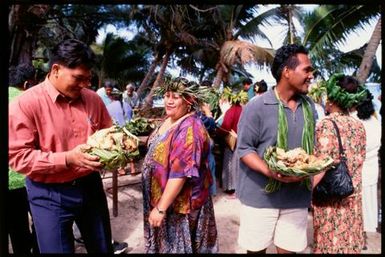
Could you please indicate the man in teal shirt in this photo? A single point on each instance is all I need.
(23, 240)
(248, 88)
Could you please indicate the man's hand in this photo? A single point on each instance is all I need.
(78, 158)
(285, 179)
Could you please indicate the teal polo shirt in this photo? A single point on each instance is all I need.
(257, 129)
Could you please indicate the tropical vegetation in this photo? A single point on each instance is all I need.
(208, 42)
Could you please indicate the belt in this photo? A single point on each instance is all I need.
(77, 181)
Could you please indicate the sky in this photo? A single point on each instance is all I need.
(276, 36)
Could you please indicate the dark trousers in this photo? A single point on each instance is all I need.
(22, 238)
(55, 207)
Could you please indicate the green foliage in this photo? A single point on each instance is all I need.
(235, 98)
(331, 24)
(341, 96)
(318, 91)
(140, 126)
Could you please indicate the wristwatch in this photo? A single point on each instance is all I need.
(160, 211)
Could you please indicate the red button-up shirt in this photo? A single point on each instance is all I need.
(43, 125)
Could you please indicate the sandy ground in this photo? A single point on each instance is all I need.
(128, 225)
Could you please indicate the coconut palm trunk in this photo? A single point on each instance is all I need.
(147, 103)
(370, 52)
(218, 77)
(144, 85)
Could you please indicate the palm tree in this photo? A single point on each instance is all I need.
(222, 49)
(120, 60)
(171, 28)
(329, 25)
(370, 53)
(284, 15)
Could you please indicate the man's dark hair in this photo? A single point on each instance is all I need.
(72, 53)
(262, 86)
(247, 81)
(21, 73)
(366, 108)
(286, 56)
(110, 83)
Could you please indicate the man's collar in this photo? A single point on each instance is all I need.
(270, 98)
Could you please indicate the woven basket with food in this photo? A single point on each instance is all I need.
(295, 162)
(115, 146)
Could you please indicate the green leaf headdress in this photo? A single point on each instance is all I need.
(339, 95)
(234, 97)
(190, 90)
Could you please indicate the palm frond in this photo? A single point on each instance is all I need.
(236, 51)
(331, 24)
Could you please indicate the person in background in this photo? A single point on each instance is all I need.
(230, 160)
(365, 112)
(49, 125)
(278, 217)
(248, 88)
(105, 92)
(21, 77)
(260, 87)
(120, 112)
(178, 209)
(338, 226)
(205, 114)
(130, 96)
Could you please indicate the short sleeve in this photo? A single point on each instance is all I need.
(186, 151)
(326, 143)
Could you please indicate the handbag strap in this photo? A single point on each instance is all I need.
(342, 152)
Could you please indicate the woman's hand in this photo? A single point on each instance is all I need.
(155, 219)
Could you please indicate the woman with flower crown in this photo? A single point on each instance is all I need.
(178, 209)
(338, 226)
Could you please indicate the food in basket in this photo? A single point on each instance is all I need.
(115, 146)
(295, 162)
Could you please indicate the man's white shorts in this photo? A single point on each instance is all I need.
(260, 227)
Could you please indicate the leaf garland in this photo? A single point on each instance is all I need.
(282, 134)
(339, 95)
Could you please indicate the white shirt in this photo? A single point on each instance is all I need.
(373, 143)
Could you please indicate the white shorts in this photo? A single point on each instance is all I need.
(260, 227)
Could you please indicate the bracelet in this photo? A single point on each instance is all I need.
(160, 211)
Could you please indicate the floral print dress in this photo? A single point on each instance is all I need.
(189, 224)
(338, 228)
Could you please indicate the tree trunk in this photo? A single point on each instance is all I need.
(370, 52)
(144, 85)
(147, 103)
(218, 78)
(25, 23)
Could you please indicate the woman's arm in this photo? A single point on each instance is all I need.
(172, 189)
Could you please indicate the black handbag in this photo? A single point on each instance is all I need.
(336, 184)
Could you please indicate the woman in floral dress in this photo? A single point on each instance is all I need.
(178, 210)
(338, 227)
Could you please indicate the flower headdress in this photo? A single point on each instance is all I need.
(191, 92)
(339, 95)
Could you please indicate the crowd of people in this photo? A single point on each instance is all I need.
(55, 180)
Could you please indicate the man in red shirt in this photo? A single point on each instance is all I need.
(48, 127)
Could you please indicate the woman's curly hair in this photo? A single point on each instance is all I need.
(366, 108)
